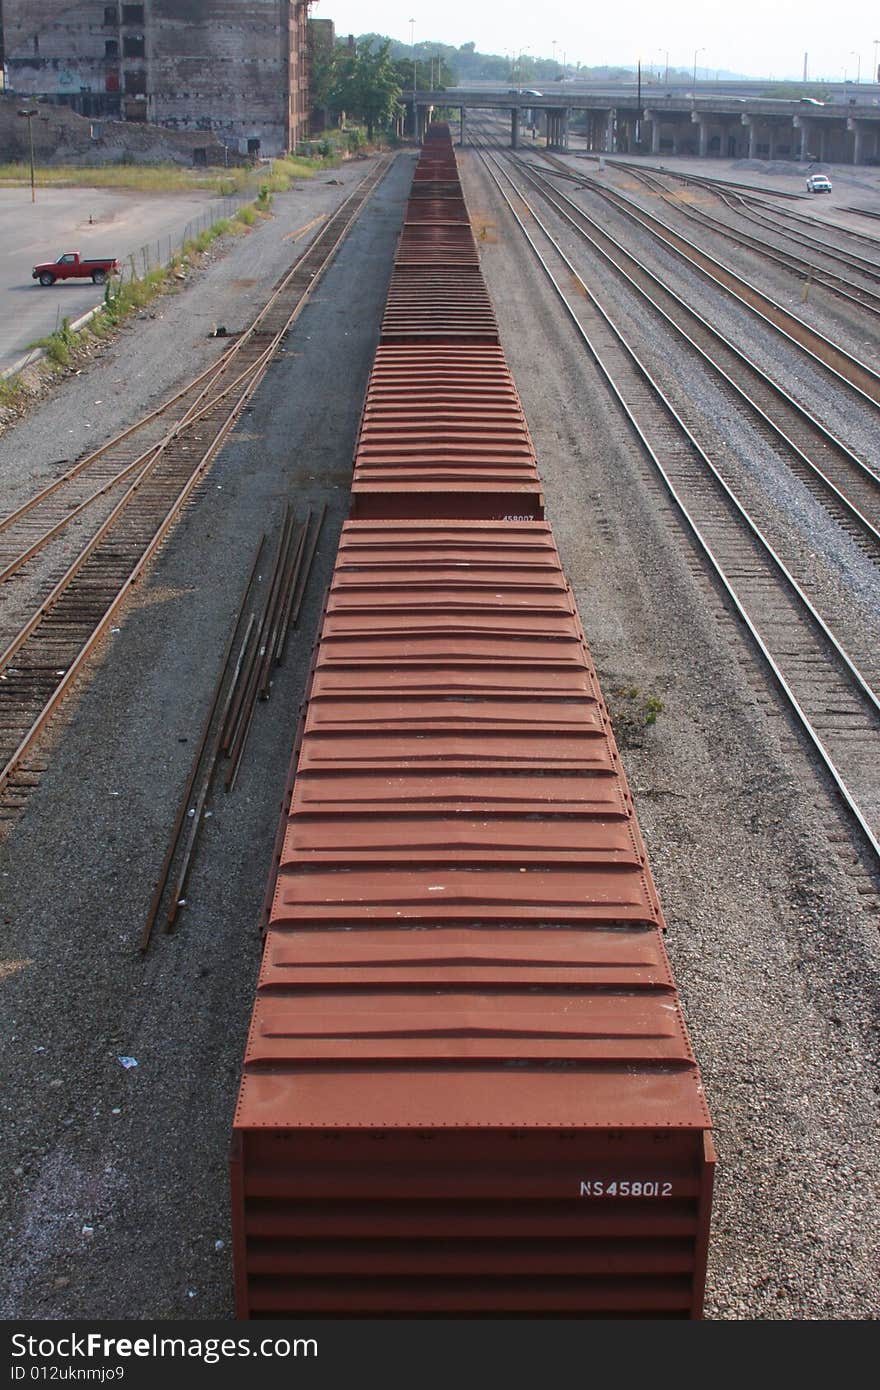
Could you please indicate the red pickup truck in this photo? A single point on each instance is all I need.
(71, 266)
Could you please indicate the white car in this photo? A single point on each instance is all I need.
(818, 183)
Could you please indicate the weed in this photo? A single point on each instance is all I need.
(653, 707)
(10, 390)
(58, 344)
(632, 712)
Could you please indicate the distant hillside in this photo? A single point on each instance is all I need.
(467, 65)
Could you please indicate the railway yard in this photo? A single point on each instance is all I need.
(699, 372)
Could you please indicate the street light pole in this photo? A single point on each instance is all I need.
(29, 117)
(876, 77)
(696, 51)
(412, 25)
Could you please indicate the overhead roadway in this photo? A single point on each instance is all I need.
(668, 122)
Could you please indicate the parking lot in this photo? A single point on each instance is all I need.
(94, 221)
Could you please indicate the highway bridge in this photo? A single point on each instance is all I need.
(661, 120)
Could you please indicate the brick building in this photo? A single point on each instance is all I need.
(237, 69)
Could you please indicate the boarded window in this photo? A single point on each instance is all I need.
(111, 48)
(111, 15)
(132, 14)
(133, 46)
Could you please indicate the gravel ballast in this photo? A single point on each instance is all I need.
(773, 944)
(113, 1178)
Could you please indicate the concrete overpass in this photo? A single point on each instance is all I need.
(669, 122)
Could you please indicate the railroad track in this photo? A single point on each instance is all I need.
(95, 529)
(855, 375)
(755, 200)
(807, 270)
(847, 485)
(836, 707)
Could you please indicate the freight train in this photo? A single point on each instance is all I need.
(468, 1089)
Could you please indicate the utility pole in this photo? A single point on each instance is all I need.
(29, 117)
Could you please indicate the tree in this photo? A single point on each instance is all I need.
(377, 87)
(361, 82)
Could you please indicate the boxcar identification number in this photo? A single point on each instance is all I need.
(600, 1187)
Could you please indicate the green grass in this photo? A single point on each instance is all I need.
(10, 390)
(126, 297)
(145, 178)
(279, 174)
(57, 345)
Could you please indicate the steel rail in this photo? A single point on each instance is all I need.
(207, 378)
(68, 673)
(755, 212)
(730, 198)
(194, 414)
(117, 439)
(726, 583)
(195, 470)
(850, 371)
(751, 198)
(184, 805)
(826, 438)
(809, 271)
(796, 331)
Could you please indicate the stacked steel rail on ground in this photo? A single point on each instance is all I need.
(468, 1088)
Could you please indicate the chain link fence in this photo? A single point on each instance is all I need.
(154, 255)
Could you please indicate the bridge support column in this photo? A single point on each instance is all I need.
(463, 126)
(514, 129)
(611, 131)
(563, 128)
(858, 129)
(752, 126)
(702, 124)
(652, 118)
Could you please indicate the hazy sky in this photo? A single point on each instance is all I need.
(759, 38)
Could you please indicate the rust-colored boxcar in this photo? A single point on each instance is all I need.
(443, 434)
(468, 1089)
(468, 1085)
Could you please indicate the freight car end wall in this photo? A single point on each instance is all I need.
(468, 1087)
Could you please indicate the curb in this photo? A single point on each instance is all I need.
(37, 354)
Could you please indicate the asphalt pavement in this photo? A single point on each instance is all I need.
(94, 221)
